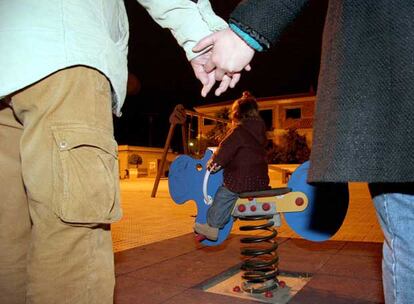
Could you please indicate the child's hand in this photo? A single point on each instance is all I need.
(213, 167)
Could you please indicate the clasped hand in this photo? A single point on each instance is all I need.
(226, 57)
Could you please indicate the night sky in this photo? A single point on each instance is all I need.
(167, 79)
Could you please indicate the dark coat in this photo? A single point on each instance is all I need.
(365, 100)
(243, 157)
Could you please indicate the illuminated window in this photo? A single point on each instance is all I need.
(294, 113)
(208, 122)
(267, 116)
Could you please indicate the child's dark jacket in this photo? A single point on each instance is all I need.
(242, 155)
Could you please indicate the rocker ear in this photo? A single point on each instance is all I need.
(326, 210)
(185, 178)
(180, 181)
(185, 182)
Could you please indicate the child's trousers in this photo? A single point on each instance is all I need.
(59, 191)
(220, 211)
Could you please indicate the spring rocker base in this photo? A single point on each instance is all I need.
(260, 258)
(313, 212)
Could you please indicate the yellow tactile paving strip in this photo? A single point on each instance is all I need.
(147, 220)
(361, 222)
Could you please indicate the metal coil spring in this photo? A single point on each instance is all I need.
(260, 265)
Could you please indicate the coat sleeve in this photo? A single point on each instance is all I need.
(188, 21)
(227, 148)
(265, 20)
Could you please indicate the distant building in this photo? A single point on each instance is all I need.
(151, 160)
(279, 113)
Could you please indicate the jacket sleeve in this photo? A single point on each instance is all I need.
(227, 148)
(264, 20)
(189, 21)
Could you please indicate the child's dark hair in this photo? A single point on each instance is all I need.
(244, 107)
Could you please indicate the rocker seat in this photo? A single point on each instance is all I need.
(265, 193)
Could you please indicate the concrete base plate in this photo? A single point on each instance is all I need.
(227, 282)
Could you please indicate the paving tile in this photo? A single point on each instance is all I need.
(306, 257)
(301, 246)
(360, 223)
(149, 219)
(336, 289)
(232, 244)
(359, 267)
(192, 268)
(310, 296)
(361, 248)
(131, 290)
(139, 257)
(309, 263)
(197, 296)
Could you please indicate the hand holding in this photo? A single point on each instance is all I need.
(230, 54)
(208, 79)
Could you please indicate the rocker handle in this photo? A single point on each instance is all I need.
(208, 200)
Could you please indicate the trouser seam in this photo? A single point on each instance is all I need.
(90, 268)
(393, 253)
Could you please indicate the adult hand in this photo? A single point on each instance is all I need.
(230, 54)
(207, 79)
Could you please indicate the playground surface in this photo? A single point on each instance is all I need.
(158, 261)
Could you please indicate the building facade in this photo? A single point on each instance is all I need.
(280, 113)
(151, 160)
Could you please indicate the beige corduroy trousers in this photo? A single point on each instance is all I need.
(59, 191)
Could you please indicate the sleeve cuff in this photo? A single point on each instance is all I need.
(246, 37)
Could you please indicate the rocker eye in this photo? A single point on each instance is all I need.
(199, 167)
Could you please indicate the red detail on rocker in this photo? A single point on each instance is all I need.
(269, 294)
(299, 201)
(266, 206)
(236, 289)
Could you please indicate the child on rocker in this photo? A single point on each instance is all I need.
(242, 156)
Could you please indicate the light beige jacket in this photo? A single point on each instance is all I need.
(40, 37)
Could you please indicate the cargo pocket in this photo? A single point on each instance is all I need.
(86, 184)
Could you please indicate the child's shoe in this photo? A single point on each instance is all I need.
(209, 232)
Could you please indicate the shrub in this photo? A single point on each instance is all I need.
(134, 159)
(293, 150)
(216, 135)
